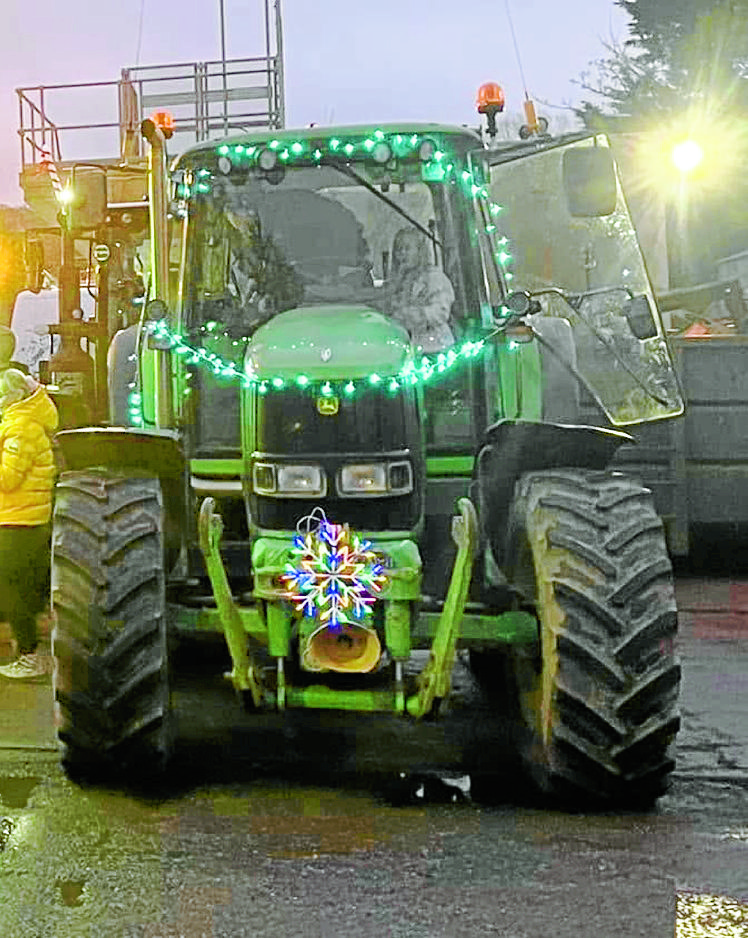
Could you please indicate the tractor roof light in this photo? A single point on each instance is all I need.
(267, 159)
(490, 101)
(381, 152)
(427, 150)
(490, 98)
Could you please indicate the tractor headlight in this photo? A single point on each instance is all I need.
(394, 478)
(290, 481)
(366, 479)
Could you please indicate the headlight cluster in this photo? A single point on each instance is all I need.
(377, 478)
(290, 481)
(352, 481)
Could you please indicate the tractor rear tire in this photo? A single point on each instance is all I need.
(111, 679)
(599, 696)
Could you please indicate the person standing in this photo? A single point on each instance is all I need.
(7, 350)
(28, 419)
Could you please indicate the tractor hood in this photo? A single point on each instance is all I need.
(328, 342)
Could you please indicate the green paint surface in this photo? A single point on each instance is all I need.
(450, 465)
(216, 467)
(320, 697)
(328, 342)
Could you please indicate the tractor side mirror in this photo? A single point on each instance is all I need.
(640, 318)
(88, 202)
(589, 181)
(521, 303)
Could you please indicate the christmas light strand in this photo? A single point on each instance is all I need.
(411, 374)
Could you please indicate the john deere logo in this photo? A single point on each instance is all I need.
(326, 354)
(328, 406)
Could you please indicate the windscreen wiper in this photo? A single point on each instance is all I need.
(346, 170)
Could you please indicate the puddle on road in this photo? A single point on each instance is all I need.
(77, 853)
(310, 823)
(71, 891)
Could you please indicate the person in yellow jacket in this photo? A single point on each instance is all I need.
(28, 420)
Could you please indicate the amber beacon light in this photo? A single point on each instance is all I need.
(490, 101)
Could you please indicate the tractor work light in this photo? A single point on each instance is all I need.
(288, 481)
(382, 152)
(427, 150)
(267, 159)
(375, 479)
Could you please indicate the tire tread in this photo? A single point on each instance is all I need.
(598, 547)
(108, 595)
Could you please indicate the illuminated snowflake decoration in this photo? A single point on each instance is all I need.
(336, 575)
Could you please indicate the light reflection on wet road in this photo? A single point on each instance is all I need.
(293, 831)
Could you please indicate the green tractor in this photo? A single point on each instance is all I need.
(342, 453)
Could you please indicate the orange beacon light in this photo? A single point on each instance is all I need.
(490, 101)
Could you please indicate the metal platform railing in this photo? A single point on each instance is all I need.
(101, 120)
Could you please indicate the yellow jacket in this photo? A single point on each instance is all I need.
(27, 465)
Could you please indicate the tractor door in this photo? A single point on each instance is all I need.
(566, 227)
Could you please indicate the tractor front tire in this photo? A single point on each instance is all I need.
(599, 697)
(110, 637)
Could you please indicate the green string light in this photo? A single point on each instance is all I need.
(135, 407)
(476, 190)
(401, 145)
(411, 374)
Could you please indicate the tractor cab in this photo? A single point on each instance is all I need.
(357, 307)
(352, 221)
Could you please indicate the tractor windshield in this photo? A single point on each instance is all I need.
(585, 268)
(338, 233)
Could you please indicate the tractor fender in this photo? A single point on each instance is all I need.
(132, 452)
(512, 447)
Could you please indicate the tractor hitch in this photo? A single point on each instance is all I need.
(245, 675)
(435, 680)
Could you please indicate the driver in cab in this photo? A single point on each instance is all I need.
(419, 294)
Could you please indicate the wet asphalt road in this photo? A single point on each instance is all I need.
(307, 828)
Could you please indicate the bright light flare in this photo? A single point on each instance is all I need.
(693, 158)
(687, 155)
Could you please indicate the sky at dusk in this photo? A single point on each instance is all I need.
(345, 62)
